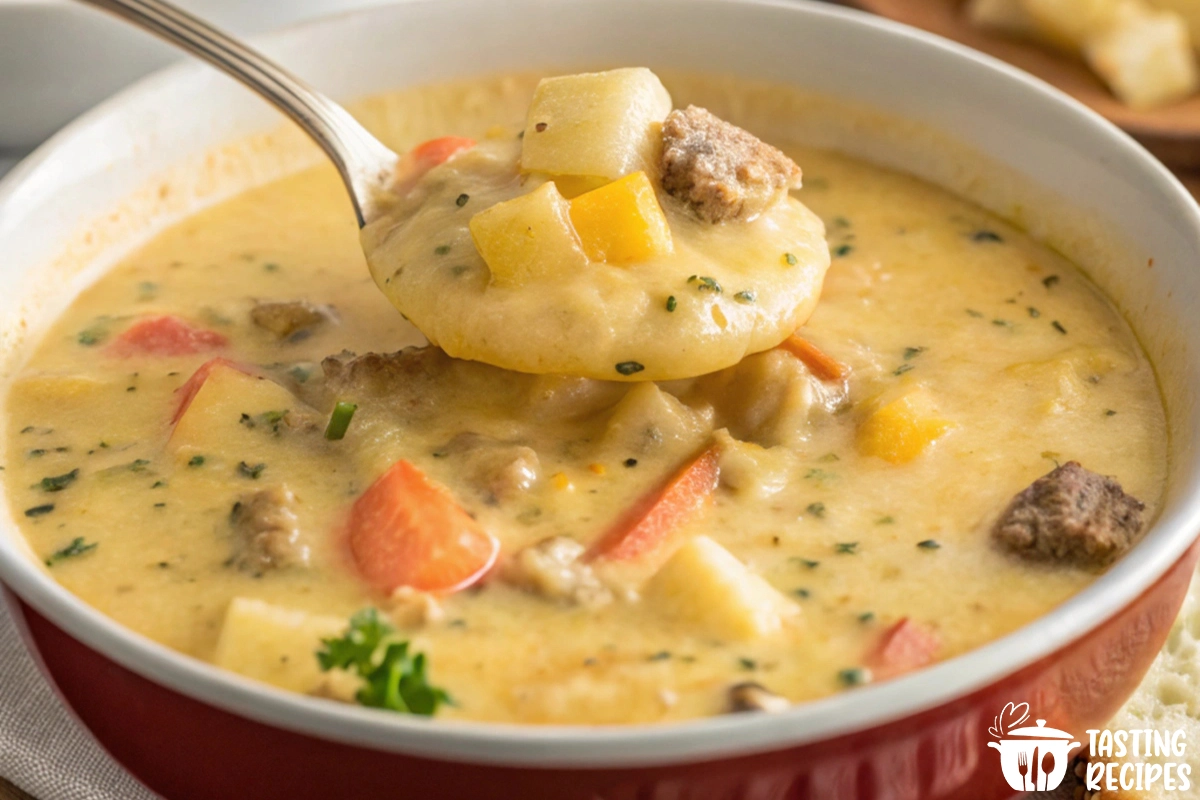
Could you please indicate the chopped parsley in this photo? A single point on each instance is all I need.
(706, 284)
(986, 236)
(1058, 326)
(196, 461)
(745, 296)
(816, 509)
(748, 664)
(903, 368)
(38, 511)
(843, 250)
(973, 313)
(251, 472)
(77, 547)
(462, 199)
(846, 548)
(1033, 312)
(912, 352)
(807, 562)
(89, 337)
(629, 367)
(888, 520)
(929, 544)
(393, 678)
(661, 655)
(802, 593)
(866, 616)
(671, 303)
(1110, 412)
(441, 249)
(59, 482)
(854, 676)
(1050, 280)
(339, 420)
(789, 259)
(631, 462)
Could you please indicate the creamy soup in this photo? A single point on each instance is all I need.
(820, 515)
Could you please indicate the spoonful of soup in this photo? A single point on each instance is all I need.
(608, 235)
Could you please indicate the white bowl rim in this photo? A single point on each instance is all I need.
(643, 744)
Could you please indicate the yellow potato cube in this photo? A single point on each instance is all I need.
(705, 585)
(528, 238)
(622, 222)
(1145, 57)
(1189, 10)
(274, 645)
(213, 424)
(900, 430)
(600, 124)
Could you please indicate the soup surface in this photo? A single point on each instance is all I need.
(852, 508)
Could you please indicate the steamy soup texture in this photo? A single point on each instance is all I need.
(235, 445)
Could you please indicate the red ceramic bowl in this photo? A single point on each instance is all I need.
(189, 730)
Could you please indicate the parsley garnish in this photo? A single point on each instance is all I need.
(854, 676)
(393, 678)
(249, 471)
(985, 236)
(671, 303)
(846, 548)
(77, 547)
(789, 259)
(629, 367)
(746, 296)
(1049, 280)
(816, 509)
(707, 284)
(1058, 326)
(38, 511)
(928, 544)
(461, 200)
(196, 461)
(59, 482)
(912, 352)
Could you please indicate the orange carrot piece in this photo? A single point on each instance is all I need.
(191, 387)
(818, 363)
(426, 156)
(406, 530)
(165, 336)
(904, 647)
(651, 519)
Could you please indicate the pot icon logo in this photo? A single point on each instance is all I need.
(1032, 758)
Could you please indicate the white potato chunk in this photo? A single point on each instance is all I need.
(1145, 57)
(1189, 10)
(599, 124)
(1005, 16)
(706, 586)
(275, 645)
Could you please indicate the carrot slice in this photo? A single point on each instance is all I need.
(406, 530)
(187, 392)
(818, 363)
(651, 519)
(165, 336)
(426, 156)
(904, 647)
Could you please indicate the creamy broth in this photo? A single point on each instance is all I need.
(1014, 354)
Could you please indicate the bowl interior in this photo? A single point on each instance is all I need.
(189, 137)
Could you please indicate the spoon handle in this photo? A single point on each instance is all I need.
(364, 162)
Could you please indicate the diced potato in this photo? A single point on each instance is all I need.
(213, 423)
(622, 222)
(571, 186)
(1189, 10)
(900, 430)
(275, 645)
(1145, 57)
(528, 238)
(601, 124)
(1005, 16)
(1073, 22)
(648, 420)
(705, 585)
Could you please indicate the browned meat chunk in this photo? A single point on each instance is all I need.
(266, 531)
(554, 569)
(721, 171)
(498, 470)
(1071, 515)
(384, 374)
(750, 696)
(290, 319)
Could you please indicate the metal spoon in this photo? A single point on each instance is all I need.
(365, 164)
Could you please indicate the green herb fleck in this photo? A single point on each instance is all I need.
(629, 367)
(807, 562)
(661, 655)
(929, 544)
(986, 236)
(300, 374)
(912, 352)
(671, 303)
(89, 337)
(1033, 312)
(790, 259)
(707, 284)
(843, 250)
(903, 368)
(818, 474)
(802, 593)
(631, 462)
(1002, 323)
(846, 548)
(1050, 280)
(462, 199)
(38, 511)
(393, 678)
(271, 266)
(854, 676)
(441, 249)
(251, 472)
(1110, 412)
(816, 509)
(1058, 326)
(138, 465)
(748, 664)
(828, 457)
(196, 461)
(339, 420)
(59, 482)
(888, 520)
(77, 547)
(973, 313)
(866, 616)
(745, 296)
